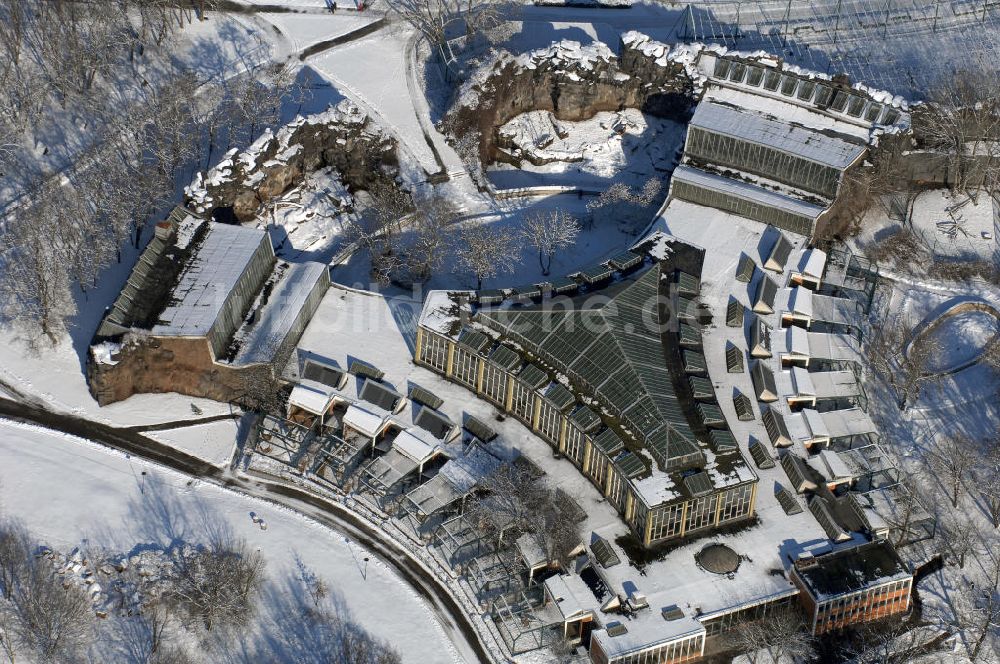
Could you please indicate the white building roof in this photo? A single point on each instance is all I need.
(747, 125)
(416, 444)
(838, 347)
(829, 464)
(817, 425)
(745, 191)
(800, 301)
(847, 422)
(812, 263)
(311, 398)
(838, 310)
(209, 278)
(835, 384)
(366, 418)
(571, 595)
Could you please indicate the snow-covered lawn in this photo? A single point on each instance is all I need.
(628, 146)
(69, 492)
(213, 442)
(306, 30)
(373, 72)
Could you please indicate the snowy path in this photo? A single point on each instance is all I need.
(81, 503)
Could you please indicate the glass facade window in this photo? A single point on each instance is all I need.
(465, 367)
(823, 95)
(737, 72)
(494, 386)
(598, 470)
(771, 80)
(434, 351)
(678, 651)
(806, 89)
(788, 84)
(736, 503)
(549, 422)
(721, 67)
(523, 403)
(769, 215)
(755, 76)
(701, 513)
(574, 445)
(616, 488)
(855, 106)
(665, 521)
(762, 160)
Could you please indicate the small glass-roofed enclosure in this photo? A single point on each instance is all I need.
(607, 377)
(718, 559)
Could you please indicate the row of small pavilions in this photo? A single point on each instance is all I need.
(813, 404)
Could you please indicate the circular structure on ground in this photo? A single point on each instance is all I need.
(718, 559)
(964, 330)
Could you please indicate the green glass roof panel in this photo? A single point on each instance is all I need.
(688, 284)
(473, 339)
(608, 442)
(560, 397)
(743, 406)
(745, 269)
(625, 260)
(735, 311)
(533, 376)
(760, 455)
(701, 388)
(505, 358)
(585, 419)
(688, 336)
(630, 465)
(723, 441)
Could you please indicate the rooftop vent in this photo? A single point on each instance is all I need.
(672, 612)
(616, 628)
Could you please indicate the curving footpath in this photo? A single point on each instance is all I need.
(452, 617)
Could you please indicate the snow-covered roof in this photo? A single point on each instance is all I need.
(800, 301)
(209, 278)
(839, 310)
(276, 318)
(847, 422)
(366, 418)
(416, 444)
(830, 466)
(812, 262)
(747, 125)
(745, 191)
(311, 398)
(837, 347)
(834, 384)
(570, 595)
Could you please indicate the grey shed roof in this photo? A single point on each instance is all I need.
(698, 484)
(322, 372)
(585, 419)
(209, 278)
(745, 269)
(763, 382)
(277, 318)
(786, 499)
(760, 455)
(365, 370)
(744, 409)
(604, 553)
(734, 313)
(472, 339)
(433, 421)
(764, 298)
(630, 465)
(560, 397)
(734, 359)
(745, 191)
(479, 429)
(778, 257)
(533, 376)
(505, 358)
(380, 395)
(625, 260)
(745, 125)
(425, 396)
(609, 442)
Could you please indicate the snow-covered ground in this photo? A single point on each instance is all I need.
(213, 442)
(628, 146)
(305, 30)
(69, 492)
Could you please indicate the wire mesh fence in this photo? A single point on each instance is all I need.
(904, 46)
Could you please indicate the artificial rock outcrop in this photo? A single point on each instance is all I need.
(342, 138)
(575, 82)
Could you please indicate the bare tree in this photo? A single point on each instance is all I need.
(438, 20)
(486, 252)
(628, 207)
(959, 536)
(988, 479)
(217, 584)
(782, 635)
(953, 458)
(548, 232)
(54, 620)
(962, 121)
(977, 610)
(426, 249)
(903, 360)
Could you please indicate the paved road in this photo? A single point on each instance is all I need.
(449, 612)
